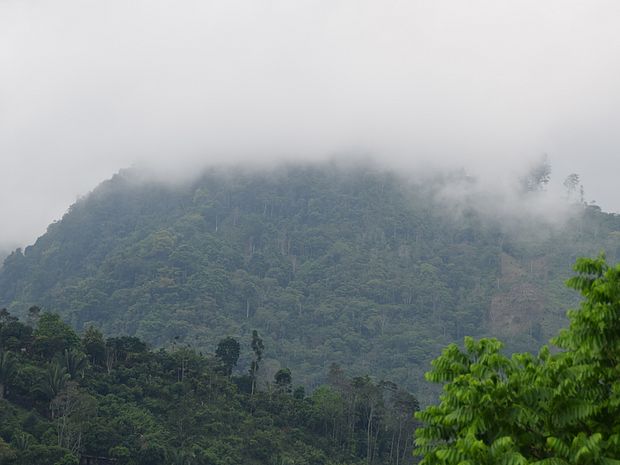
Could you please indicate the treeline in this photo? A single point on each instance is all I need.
(65, 396)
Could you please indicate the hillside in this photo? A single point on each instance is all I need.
(353, 266)
(63, 399)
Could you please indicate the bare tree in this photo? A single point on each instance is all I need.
(71, 410)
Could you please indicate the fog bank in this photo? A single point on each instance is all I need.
(88, 88)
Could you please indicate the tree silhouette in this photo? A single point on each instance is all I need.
(257, 348)
(227, 352)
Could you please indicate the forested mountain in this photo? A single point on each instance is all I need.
(356, 266)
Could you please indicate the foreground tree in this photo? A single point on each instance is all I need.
(550, 409)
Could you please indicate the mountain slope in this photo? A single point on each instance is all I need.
(354, 266)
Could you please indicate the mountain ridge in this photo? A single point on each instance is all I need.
(361, 267)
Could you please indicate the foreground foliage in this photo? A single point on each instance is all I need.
(550, 409)
(64, 396)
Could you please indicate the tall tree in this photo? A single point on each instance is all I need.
(34, 313)
(74, 362)
(55, 380)
(53, 336)
(94, 344)
(71, 410)
(284, 380)
(8, 368)
(258, 348)
(571, 184)
(227, 353)
(538, 176)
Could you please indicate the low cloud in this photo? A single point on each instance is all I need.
(88, 88)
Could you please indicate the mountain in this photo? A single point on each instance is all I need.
(331, 264)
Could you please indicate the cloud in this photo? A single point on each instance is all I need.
(88, 87)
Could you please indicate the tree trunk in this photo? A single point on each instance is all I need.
(400, 430)
(374, 442)
(369, 436)
(405, 449)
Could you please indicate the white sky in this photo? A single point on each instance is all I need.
(88, 87)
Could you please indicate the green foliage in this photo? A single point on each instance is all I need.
(68, 459)
(53, 336)
(7, 453)
(329, 264)
(553, 408)
(258, 348)
(74, 362)
(8, 368)
(94, 345)
(177, 406)
(283, 380)
(227, 352)
(55, 380)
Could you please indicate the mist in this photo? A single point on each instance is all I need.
(88, 88)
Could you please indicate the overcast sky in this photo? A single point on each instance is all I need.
(90, 87)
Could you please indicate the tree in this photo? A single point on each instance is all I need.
(75, 362)
(120, 349)
(538, 176)
(369, 400)
(257, 348)
(328, 410)
(561, 408)
(402, 407)
(71, 410)
(6, 317)
(53, 336)
(8, 368)
(94, 344)
(15, 336)
(56, 378)
(284, 380)
(571, 183)
(227, 353)
(34, 313)
(7, 453)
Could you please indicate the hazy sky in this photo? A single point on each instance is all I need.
(89, 87)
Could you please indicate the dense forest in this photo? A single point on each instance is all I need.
(331, 264)
(64, 398)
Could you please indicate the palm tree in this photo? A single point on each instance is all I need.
(21, 441)
(55, 380)
(74, 362)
